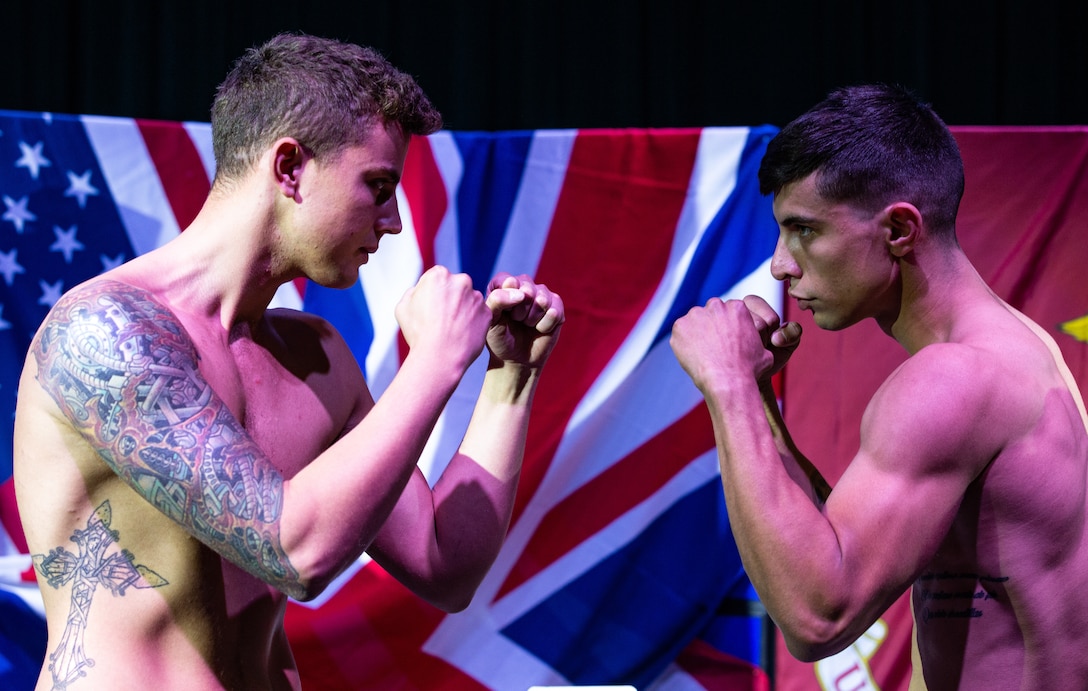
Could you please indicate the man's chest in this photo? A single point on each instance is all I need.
(291, 418)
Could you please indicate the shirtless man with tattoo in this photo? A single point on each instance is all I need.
(186, 458)
(969, 485)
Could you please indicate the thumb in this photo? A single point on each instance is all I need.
(504, 298)
(786, 336)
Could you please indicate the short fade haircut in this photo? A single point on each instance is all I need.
(320, 91)
(872, 145)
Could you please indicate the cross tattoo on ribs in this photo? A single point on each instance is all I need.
(95, 565)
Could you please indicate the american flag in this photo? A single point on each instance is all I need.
(619, 566)
(80, 196)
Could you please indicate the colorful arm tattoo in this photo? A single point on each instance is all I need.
(124, 372)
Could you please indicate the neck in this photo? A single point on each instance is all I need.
(936, 291)
(221, 266)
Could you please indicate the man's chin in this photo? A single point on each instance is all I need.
(830, 322)
(337, 282)
(348, 282)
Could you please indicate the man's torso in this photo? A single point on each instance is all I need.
(129, 594)
(999, 605)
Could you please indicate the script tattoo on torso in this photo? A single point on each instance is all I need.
(949, 595)
(125, 373)
(97, 563)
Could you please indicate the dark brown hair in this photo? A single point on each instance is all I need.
(320, 91)
(871, 145)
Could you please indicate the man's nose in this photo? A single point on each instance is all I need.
(783, 267)
(389, 220)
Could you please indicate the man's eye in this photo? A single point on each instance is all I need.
(805, 231)
(383, 190)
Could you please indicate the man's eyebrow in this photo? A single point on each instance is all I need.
(390, 173)
(798, 220)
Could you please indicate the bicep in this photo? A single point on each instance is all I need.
(123, 372)
(890, 522)
(920, 450)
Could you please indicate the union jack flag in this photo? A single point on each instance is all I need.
(619, 567)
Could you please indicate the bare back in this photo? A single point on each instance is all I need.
(999, 606)
(130, 595)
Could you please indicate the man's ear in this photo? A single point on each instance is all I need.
(288, 160)
(903, 223)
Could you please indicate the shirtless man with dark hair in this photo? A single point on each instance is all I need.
(970, 481)
(186, 458)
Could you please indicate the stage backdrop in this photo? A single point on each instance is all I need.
(619, 567)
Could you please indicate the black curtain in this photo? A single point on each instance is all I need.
(525, 64)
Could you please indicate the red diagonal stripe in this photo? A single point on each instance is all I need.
(426, 194)
(613, 493)
(9, 516)
(607, 250)
(370, 635)
(179, 165)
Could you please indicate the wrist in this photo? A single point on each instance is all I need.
(509, 382)
(433, 371)
(729, 391)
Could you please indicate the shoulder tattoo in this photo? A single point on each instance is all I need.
(123, 370)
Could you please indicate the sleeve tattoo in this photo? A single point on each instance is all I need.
(124, 372)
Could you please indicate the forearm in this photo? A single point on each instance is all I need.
(789, 549)
(495, 436)
(442, 542)
(490, 454)
(799, 467)
(336, 506)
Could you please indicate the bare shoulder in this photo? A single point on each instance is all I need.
(303, 329)
(94, 337)
(949, 403)
(105, 304)
(102, 326)
(131, 403)
(97, 339)
(313, 350)
(1018, 545)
